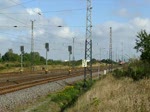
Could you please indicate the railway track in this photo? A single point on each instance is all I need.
(15, 83)
(12, 88)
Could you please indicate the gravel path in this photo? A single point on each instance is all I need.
(12, 100)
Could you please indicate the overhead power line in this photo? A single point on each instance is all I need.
(15, 19)
(13, 26)
(65, 10)
(17, 4)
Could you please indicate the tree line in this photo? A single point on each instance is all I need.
(11, 57)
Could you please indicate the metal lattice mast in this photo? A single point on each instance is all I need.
(88, 40)
(32, 47)
(110, 49)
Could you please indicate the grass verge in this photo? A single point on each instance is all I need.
(70, 94)
(59, 101)
(113, 95)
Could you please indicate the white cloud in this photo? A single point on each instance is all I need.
(142, 23)
(65, 33)
(2, 39)
(54, 30)
(127, 28)
(34, 11)
(56, 21)
(124, 32)
(38, 33)
(127, 13)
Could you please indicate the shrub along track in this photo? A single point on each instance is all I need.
(15, 82)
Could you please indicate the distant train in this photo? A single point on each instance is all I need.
(121, 62)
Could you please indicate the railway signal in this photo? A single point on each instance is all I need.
(70, 52)
(47, 46)
(70, 49)
(22, 49)
(47, 49)
(22, 52)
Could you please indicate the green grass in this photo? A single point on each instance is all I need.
(59, 101)
(115, 95)
(70, 94)
(136, 70)
(66, 97)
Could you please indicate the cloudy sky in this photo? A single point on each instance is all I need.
(126, 17)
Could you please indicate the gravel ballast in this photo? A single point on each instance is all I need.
(10, 101)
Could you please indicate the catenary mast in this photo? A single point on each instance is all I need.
(88, 40)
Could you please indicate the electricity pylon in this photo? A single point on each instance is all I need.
(88, 41)
(110, 50)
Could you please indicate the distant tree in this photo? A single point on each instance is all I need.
(10, 56)
(26, 57)
(0, 57)
(94, 61)
(108, 61)
(78, 62)
(37, 58)
(143, 45)
(42, 59)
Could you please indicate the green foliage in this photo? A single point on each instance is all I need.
(2, 67)
(136, 70)
(118, 73)
(94, 61)
(10, 56)
(59, 62)
(108, 61)
(37, 58)
(69, 95)
(56, 62)
(11, 59)
(143, 45)
(26, 57)
(78, 62)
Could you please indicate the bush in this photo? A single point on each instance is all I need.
(2, 67)
(117, 73)
(70, 94)
(67, 97)
(136, 71)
